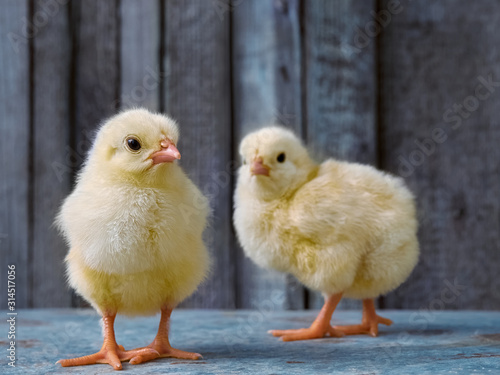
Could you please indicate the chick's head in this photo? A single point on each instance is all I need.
(275, 162)
(136, 143)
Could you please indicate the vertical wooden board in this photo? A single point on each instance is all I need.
(340, 87)
(95, 73)
(441, 133)
(197, 95)
(139, 47)
(266, 90)
(96, 69)
(51, 150)
(340, 80)
(14, 151)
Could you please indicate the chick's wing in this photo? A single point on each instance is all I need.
(315, 209)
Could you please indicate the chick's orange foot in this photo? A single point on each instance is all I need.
(162, 350)
(110, 354)
(369, 323)
(161, 346)
(321, 326)
(306, 333)
(369, 328)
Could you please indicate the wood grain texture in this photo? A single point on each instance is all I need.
(237, 342)
(433, 56)
(140, 59)
(14, 149)
(197, 95)
(95, 73)
(340, 87)
(266, 90)
(96, 68)
(340, 80)
(51, 152)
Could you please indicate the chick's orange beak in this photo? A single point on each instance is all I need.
(167, 154)
(259, 168)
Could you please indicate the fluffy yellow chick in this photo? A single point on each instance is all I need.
(134, 226)
(343, 229)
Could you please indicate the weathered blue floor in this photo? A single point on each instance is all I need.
(236, 342)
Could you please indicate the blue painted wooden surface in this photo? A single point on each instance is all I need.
(234, 342)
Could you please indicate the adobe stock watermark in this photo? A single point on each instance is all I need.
(454, 116)
(495, 289)
(220, 180)
(211, 189)
(73, 156)
(247, 326)
(427, 314)
(283, 117)
(364, 36)
(11, 315)
(222, 7)
(30, 28)
(139, 93)
(420, 320)
(58, 340)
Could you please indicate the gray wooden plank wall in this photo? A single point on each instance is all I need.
(15, 126)
(445, 144)
(51, 177)
(367, 81)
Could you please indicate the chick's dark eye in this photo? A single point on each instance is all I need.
(281, 157)
(133, 144)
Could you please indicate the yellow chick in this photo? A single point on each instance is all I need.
(134, 226)
(343, 229)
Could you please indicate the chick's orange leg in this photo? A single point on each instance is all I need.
(110, 353)
(369, 323)
(161, 344)
(319, 328)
